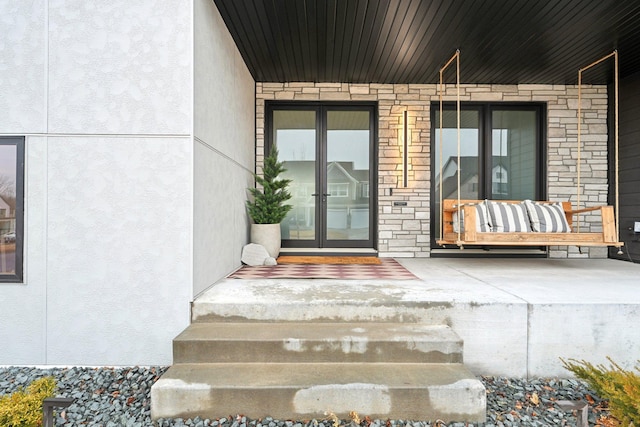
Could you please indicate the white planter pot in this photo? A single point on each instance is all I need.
(267, 235)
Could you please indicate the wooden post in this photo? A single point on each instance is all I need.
(609, 233)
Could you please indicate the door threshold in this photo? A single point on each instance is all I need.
(329, 251)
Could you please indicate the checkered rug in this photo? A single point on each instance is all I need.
(387, 269)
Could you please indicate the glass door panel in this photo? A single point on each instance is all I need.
(513, 155)
(294, 133)
(446, 158)
(347, 175)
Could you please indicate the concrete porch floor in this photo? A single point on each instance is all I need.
(517, 317)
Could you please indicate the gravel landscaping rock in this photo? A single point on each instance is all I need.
(116, 397)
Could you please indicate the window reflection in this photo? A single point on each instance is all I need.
(347, 172)
(448, 153)
(8, 174)
(294, 133)
(513, 155)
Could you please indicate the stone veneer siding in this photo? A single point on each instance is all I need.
(405, 231)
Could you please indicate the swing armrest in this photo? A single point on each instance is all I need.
(607, 218)
(583, 210)
(454, 207)
(454, 210)
(450, 207)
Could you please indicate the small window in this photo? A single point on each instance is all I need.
(11, 208)
(365, 190)
(500, 188)
(339, 190)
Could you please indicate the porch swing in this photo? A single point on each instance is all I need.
(517, 222)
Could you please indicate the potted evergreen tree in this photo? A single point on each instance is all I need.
(267, 208)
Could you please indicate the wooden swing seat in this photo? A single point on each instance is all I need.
(471, 236)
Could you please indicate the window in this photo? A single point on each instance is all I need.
(338, 189)
(500, 189)
(365, 190)
(500, 156)
(11, 207)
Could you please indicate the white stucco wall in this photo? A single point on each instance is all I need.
(123, 215)
(224, 129)
(104, 100)
(22, 66)
(119, 67)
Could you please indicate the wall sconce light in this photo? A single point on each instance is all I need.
(405, 150)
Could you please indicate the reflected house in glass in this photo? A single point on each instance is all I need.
(469, 177)
(349, 191)
(7, 216)
(468, 171)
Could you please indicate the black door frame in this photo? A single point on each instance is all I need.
(321, 108)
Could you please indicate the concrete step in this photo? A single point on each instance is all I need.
(416, 391)
(318, 300)
(316, 343)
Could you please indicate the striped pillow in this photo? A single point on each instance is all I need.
(508, 217)
(482, 219)
(547, 217)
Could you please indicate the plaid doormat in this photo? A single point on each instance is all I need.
(388, 269)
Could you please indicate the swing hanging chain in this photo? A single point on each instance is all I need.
(441, 144)
(613, 54)
(458, 125)
(594, 63)
(440, 160)
(616, 139)
(579, 147)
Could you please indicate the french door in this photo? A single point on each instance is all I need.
(329, 153)
(501, 154)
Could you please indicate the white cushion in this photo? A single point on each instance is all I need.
(482, 219)
(508, 217)
(547, 217)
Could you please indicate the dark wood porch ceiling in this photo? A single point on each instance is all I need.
(407, 41)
